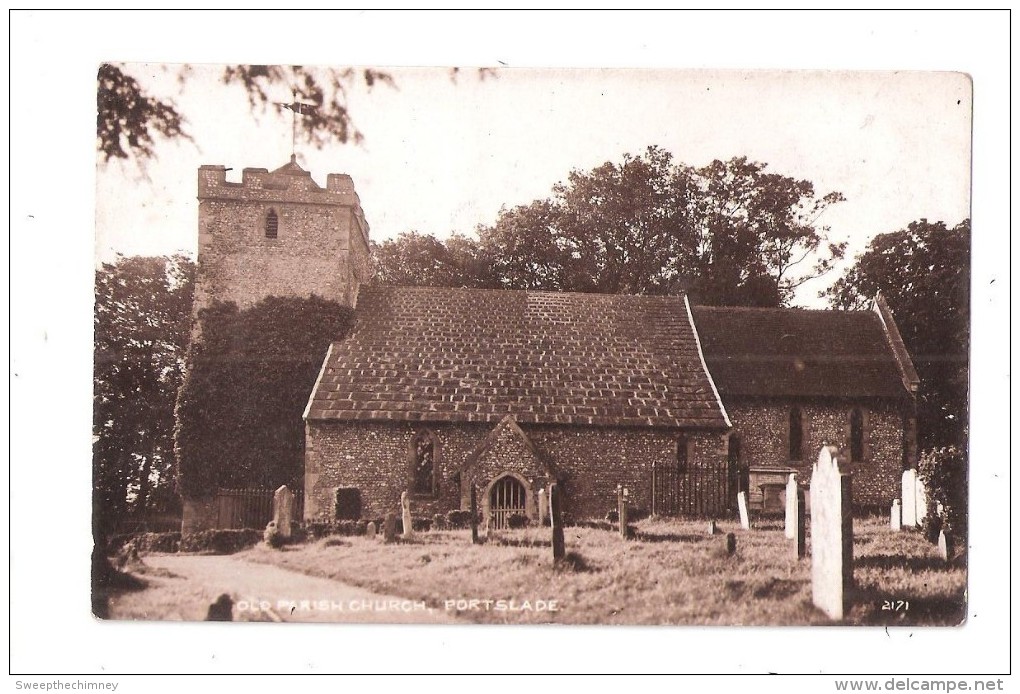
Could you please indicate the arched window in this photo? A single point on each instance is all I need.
(796, 434)
(682, 453)
(272, 225)
(856, 435)
(424, 455)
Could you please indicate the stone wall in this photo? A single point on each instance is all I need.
(763, 428)
(590, 462)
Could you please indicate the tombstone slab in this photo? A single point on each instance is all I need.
(390, 528)
(945, 546)
(908, 494)
(789, 526)
(745, 520)
(370, 530)
(712, 530)
(283, 508)
(895, 517)
(731, 543)
(831, 535)
(543, 506)
(405, 510)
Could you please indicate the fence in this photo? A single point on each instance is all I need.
(252, 508)
(698, 491)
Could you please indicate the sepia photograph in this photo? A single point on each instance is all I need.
(524, 345)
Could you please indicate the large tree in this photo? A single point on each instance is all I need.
(729, 233)
(142, 328)
(421, 260)
(923, 271)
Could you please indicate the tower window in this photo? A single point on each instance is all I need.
(796, 434)
(856, 435)
(272, 224)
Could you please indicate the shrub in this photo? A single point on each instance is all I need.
(271, 536)
(334, 541)
(158, 542)
(438, 522)
(613, 516)
(944, 472)
(458, 519)
(220, 541)
(517, 521)
(420, 524)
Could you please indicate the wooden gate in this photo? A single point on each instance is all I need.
(507, 497)
(703, 490)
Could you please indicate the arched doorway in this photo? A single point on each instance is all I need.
(507, 496)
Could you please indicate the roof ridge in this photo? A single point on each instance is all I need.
(554, 292)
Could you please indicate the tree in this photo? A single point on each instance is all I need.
(142, 328)
(130, 119)
(421, 260)
(923, 272)
(729, 233)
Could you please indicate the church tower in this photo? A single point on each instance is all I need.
(277, 233)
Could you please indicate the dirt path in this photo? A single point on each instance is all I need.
(183, 586)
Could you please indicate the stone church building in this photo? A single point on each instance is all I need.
(435, 391)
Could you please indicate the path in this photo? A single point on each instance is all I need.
(263, 592)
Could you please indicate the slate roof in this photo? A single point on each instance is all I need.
(797, 352)
(468, 355)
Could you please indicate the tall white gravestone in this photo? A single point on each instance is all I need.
(831, 535)
(405, 511)
(745, 520)
(791, 506)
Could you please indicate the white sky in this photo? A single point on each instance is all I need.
(441, 156)
(901, 164)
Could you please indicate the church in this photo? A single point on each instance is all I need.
(443, 392)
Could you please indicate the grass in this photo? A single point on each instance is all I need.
(671, 572)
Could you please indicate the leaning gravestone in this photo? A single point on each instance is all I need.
(831, 535)
(556, 507)
(283, 505)
(370, 530)
(745, 521)
(895, 517)
(390, 528)
(791, 506)
(543, 507)
(405, 510)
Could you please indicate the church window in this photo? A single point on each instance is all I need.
(796, 434)
(856, 435)
(424, 450)
(272, 225)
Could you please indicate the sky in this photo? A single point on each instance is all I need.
(439, 158)
(444, 153)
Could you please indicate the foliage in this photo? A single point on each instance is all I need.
(729, 233)
(923, 272)
(944, 472)
(145, 542)
(421, 260)
(220, 541)
(239, 413)
(458, 519)
(272, 536)
(516, 521)
(142, 325)
(129, 118)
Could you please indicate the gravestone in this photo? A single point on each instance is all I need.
(745, 520)
(370, 530)
(711, 527)
(405, 510)
(474, 515)
(731, 543)
(921, 501)
(831, 535)
(543, 507)
(799, 525)
(945, 546)
(791, 506)
(556, 513)
(895, 517)
(283, 505)
(621, 510)
(390, 528)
